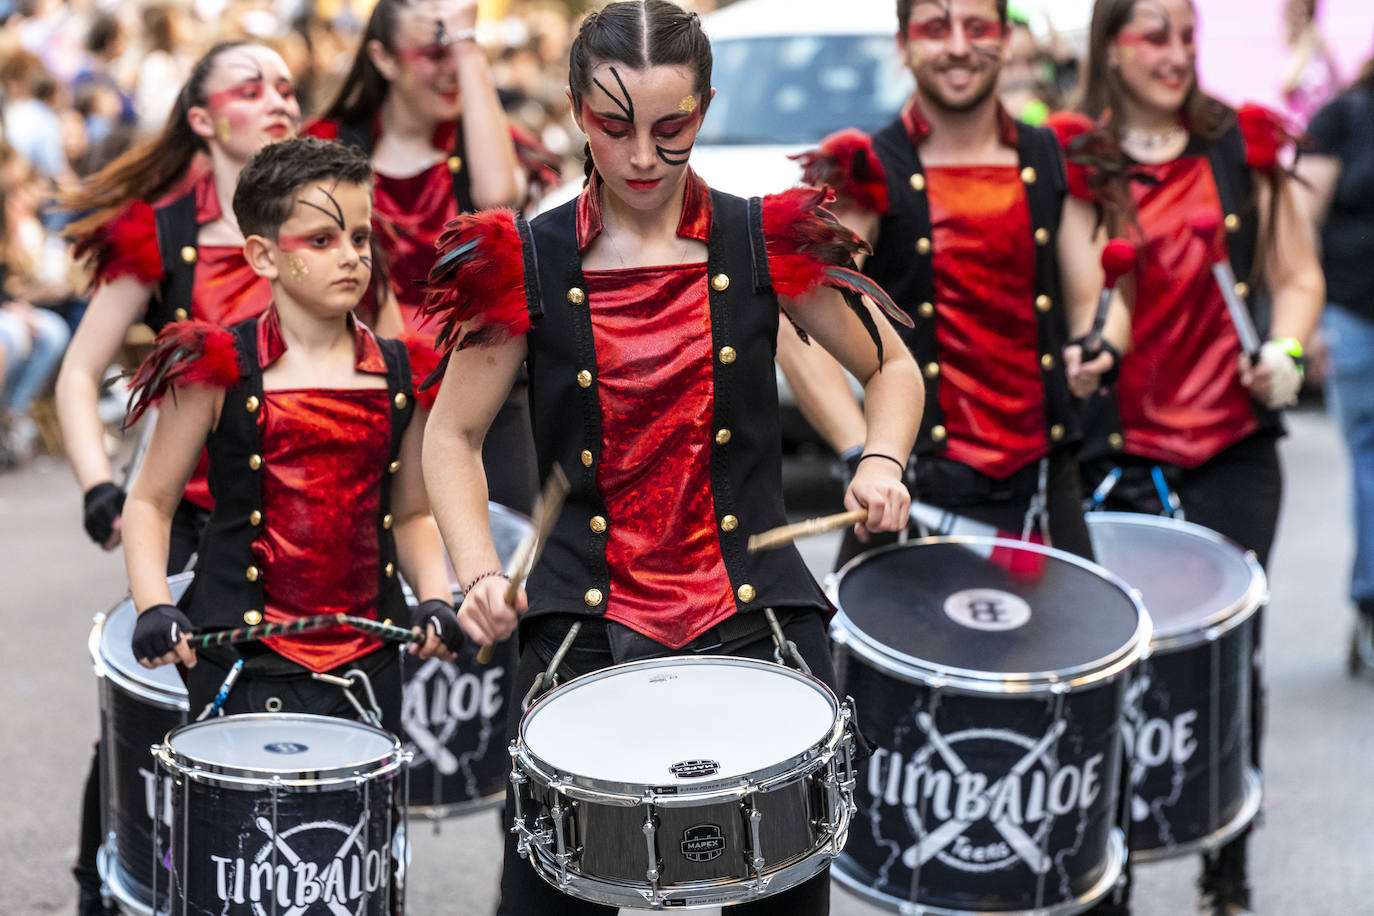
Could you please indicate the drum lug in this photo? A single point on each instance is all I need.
(560, 839)
(757, 861)
(651, 874)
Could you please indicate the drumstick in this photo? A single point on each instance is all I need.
(1205, 225)
(303, 625)
(546, 510)
(786, 534)
(1118, 257)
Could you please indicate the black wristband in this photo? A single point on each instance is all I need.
(900, 464)
(102, 504)
(1104, 346)
(157, 631)
(440, 614)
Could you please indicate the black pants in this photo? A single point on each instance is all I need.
(1001, 503)
(524, 893)
(271, 683)
(1237, 494)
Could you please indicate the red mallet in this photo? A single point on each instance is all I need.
(1206, 225)
(1118, 258)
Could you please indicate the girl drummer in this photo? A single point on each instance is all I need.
(420, 101)
(164, 245)
(1193, 423)
(647, 315)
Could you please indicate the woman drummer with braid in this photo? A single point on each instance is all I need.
(648, 311)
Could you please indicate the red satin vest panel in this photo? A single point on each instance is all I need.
(990, 378)
(1180, 392)
(654, 378)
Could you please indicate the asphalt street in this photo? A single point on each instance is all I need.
(1311, 855)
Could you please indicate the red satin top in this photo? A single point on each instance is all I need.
(225, 291)
(654, 371)
(1180, 394)
(323, 451)
(991, 389)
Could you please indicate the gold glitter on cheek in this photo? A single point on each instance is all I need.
(222, 129)
(297, 267)
(688, 104)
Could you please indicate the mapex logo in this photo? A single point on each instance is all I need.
(703, 843)
(439, 699)
(346, 874)
(694, 769)
(976, 821)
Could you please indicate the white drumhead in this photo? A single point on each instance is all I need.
(117, 632)
(286, 743)
(676, 721)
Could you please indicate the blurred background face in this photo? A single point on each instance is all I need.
(251, 102)
(954, 48)
(1155, 56)
(421, 66)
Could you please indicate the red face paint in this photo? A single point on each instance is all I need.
(1156, 38)
(248, 91)
(615, 128)
(324, 240)
(433, 53)
(976, 28)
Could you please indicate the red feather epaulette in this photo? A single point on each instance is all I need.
(539, 164)
(808, 248)
(1096, 167)
(846, 163)
(186, 353)
(424, 362)
(477, 286)
(126, 245)
(1266, 134)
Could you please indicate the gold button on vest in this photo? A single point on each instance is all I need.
(593, 597)
(720, 283)
(923, 246)
(400, 400)
(251, 405)
(576, 296)
(1043, 303)
(252, 573)
(932, 370)
(455, 164)
(598, 524)
(255, 518)
(255, 461)
(938, 433)
(587, 458)
(1028, 175)
(1056, 432)
(584, 379)
(252, 618)
(188, 254)
(926, 310)
(727, 355)
(723, 437)
(918, 182)
(729, 523)
(394, 466)
(387, 522)
(1116, 442)
(746, 593)
(180, 315)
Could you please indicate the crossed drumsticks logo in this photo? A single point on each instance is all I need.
(939, 839)
(337, 907)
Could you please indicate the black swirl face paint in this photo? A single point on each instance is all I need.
(334, 211)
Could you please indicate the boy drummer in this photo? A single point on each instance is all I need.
(314, 446)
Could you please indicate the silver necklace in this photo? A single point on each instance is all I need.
(606, 229)
(1149, 140)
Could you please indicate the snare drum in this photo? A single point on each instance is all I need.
(281, 813)
(683, 782)
(454, 713)
(138, 707)
(991, 676)
(1192, 783)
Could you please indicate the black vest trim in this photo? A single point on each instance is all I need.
(222, 593)
(177, 230)
(903, 264)
(360, 136)
(758, 246)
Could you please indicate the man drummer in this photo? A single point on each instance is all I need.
(314, 442)
(975, 237)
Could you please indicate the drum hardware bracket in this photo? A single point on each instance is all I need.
(757, 860)
(1037, 514)
(547, 679)
(351, 678)
(650, 834)
(215, 706)
(561, 857)
(781, 644)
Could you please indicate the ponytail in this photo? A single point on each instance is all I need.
(149, 171)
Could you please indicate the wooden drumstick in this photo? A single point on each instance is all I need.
(546, 511)
(777, 537)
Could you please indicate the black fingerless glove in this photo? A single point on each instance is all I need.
(439, 614)
(158, 630)
(1111, 375)
(103, 504)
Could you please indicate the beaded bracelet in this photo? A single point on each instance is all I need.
(486, 575)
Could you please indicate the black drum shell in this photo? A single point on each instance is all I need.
(454, 715)
(990, 732)
(1189, 737)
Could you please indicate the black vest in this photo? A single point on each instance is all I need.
(177, 232)
(902, 263)
(1236, 187)
(360, 136)
(746, 460)
(228, 587)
